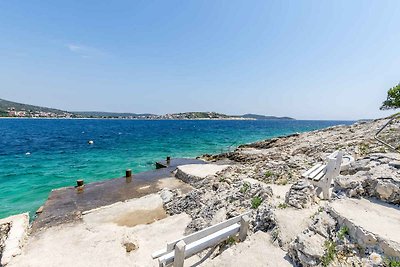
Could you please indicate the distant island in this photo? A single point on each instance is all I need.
(18, 110)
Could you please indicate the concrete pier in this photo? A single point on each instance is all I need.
(67, 204)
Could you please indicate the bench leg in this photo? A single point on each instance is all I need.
(244, 227)
(318, 191)
(325, 193)
(179, 256)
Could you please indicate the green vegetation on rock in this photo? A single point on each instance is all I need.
(393, 98)
(344, 230)
(245, 187)
(330, 253)
(391, 262)
(256, 202)
(268, 174)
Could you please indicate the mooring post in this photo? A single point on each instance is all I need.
(179, 254)
(79, 185)
(168, 160)
(128, 175)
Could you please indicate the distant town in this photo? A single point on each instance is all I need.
(12, 112)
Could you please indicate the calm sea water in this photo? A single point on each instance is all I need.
(39, 155)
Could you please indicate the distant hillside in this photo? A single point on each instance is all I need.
(262, 117)
(7, 106)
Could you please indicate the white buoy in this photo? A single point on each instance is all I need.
(90, 142)
(27, 153)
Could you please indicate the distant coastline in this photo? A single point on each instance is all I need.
(9, 109)
(122, 118)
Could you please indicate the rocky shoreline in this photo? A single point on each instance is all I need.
(357, 227)
(255, 169)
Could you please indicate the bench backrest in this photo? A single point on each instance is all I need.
(200, 234)
(333, 166)
(205, 232)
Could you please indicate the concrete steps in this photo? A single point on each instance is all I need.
(371, 223)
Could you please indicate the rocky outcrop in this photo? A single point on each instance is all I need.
(308, 249)
(372, 224)
(166, 195)
(4, 230)
(282, 160)
(326, 242)
(349, 232)
(375, 175)
(13, 234)
(195, 174)
(301, 195)
(264, 219)
(217, 194)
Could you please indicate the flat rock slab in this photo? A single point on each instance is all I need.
(292, 222)
(144, 210)
(256, 250)
(371, 222)
(100, 244)
(201, 170)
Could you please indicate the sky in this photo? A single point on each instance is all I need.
(304, 59)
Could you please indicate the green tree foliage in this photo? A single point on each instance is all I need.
(393, 98)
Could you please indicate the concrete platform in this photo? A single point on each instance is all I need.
(67, 204)
(370, 222)
(99, 239)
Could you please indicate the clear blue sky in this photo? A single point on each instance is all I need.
(306, 59)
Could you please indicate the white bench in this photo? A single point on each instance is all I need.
(321, 175)
(177, 251)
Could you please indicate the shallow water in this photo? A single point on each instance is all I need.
(38, 155)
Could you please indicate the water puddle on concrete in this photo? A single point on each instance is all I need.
(141, 217)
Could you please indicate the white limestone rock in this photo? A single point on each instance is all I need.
(16, 236)
(166, 195)
(301, 195)
(307, 249)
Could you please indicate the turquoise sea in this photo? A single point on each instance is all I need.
(37, 155)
